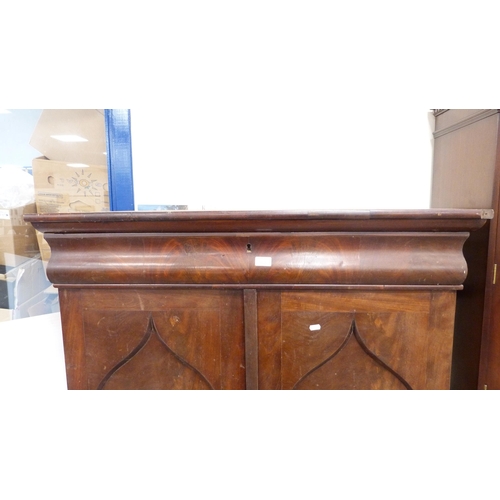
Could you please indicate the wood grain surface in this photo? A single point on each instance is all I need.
(358, 300)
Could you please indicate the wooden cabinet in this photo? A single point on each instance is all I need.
(466, 170)
(258, 300)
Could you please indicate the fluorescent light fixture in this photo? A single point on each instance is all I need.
(77, 165)
(4, 111)
(69, 138)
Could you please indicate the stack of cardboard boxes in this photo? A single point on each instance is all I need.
(21, 272)
(70, 176)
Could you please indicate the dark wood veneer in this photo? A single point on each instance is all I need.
(258, 221)
(258, 300)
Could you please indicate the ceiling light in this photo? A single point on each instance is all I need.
(77, 165)
(69, 138)
(4, 111)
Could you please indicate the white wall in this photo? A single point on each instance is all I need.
(292, 154)
(281, 106)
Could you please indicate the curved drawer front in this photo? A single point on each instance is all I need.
(258, 258)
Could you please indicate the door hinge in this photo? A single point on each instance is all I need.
(495, 274)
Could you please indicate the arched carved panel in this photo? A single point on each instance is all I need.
(352, 340)
(352, 365)
(181, 341)
(153, 364)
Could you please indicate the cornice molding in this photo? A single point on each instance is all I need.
(480, 115)
(437, 112)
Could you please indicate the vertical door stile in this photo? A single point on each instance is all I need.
(251, 339)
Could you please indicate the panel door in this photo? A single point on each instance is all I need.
(153, 339)
(351, 340)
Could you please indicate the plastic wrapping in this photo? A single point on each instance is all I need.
(16, 187)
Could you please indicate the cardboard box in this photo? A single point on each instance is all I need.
(72, 174)
(50, 136)
(17, 237)
(45, 251)
(43, 247)
(60, 187)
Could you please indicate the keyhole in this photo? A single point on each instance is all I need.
(249, 248)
